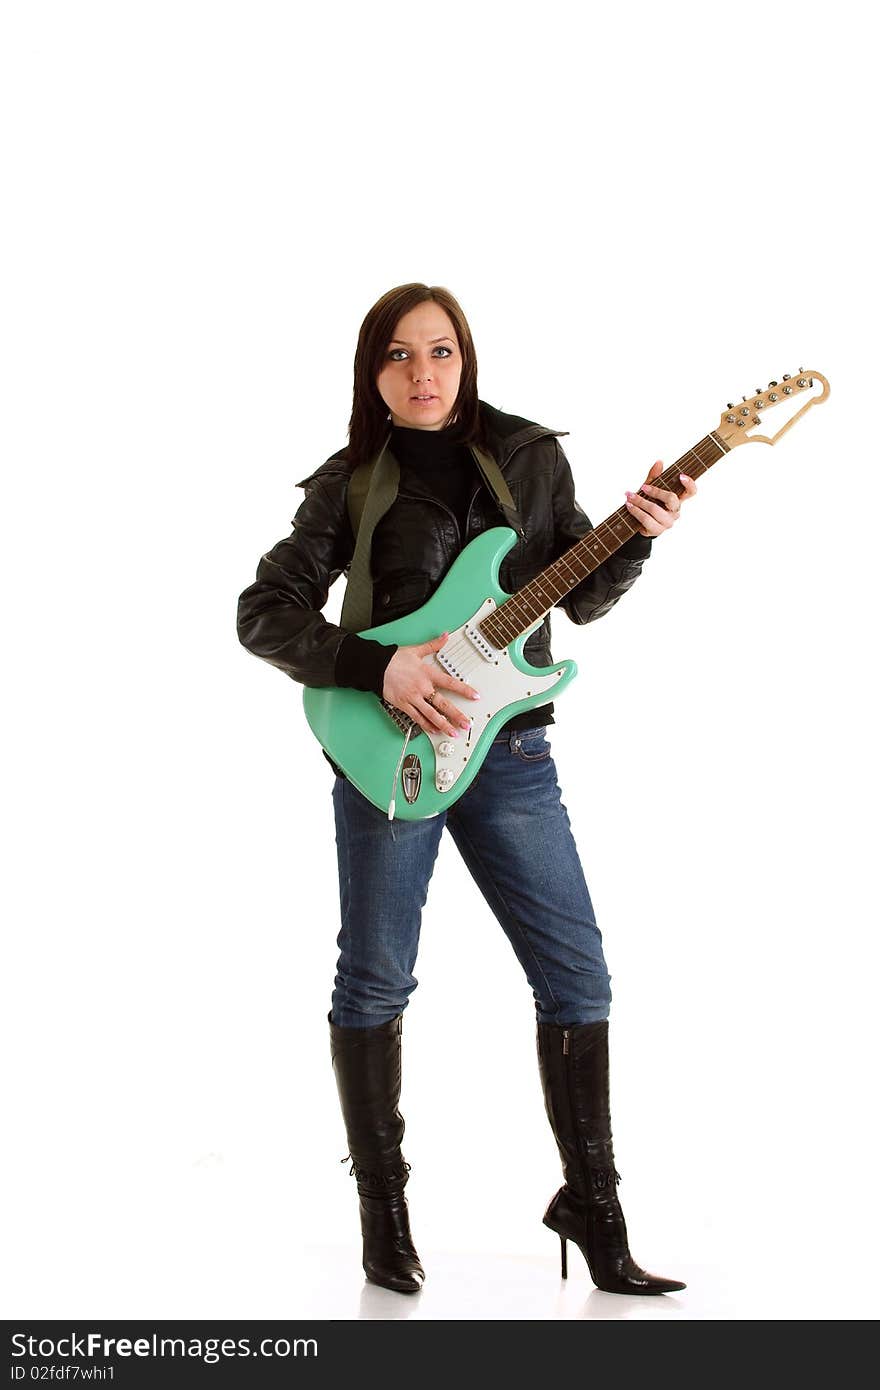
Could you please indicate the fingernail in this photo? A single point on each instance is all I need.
(477, 695)
(682, 476)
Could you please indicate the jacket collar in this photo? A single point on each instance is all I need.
(505, 433)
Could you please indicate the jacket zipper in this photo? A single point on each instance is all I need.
(565, 1043)
(434, 502)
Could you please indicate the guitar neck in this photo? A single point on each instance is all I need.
(533, 600)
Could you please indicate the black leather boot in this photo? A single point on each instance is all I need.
(573, 1063)
(367, 1064)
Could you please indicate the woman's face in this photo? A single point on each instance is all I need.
(422, 359)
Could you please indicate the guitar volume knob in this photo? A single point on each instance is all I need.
(445, 779)
(446, 748)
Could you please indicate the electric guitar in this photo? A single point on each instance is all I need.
(382, 750)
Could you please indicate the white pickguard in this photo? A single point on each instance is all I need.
(468, 656)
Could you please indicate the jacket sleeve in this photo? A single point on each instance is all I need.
(597, 594)
(279, 617)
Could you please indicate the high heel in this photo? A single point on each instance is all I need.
(604, 1248)
(573, 1064)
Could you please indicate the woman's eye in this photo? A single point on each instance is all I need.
(441, 347)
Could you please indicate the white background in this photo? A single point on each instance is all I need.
(644, 211)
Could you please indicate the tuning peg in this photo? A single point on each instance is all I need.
(786, 376)
(757, 390)
(757, 420)
(773, 383)
(800, 371)
(730, 405)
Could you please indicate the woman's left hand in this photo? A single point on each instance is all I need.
(655, 517)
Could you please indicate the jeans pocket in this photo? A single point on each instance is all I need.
(531, 744)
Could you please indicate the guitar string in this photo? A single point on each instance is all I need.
(609, 524)
(462, 646)
(462, 649)
(461, 655)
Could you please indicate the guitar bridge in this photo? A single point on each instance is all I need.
(403, 721)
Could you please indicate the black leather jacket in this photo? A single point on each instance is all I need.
(279, 615)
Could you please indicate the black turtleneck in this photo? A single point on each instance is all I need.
(439, 463)
(445, 468)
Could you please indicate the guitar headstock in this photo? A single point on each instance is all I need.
(738, 422)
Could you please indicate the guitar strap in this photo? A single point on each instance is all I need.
(372, 489)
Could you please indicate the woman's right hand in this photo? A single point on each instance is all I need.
(409, 679)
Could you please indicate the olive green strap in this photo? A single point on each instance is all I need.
(371, 491)
(356, 493)
(496, 483)
(374, 492)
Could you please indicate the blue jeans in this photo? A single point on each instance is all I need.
(512, 830)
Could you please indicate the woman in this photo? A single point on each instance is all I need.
(415, 389)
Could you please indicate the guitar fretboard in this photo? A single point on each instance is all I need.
(533, 600)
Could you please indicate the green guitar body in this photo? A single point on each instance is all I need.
(361, 736)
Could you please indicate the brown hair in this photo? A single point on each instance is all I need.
(369, 424)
